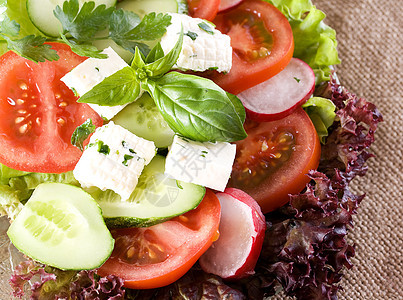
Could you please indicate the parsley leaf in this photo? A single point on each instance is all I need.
(33, 48)
(9, 27)
(81, 133)
(83, 23)
(83, 49)
(152, 27)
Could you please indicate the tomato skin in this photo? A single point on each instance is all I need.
(38, 113)
(191, 234)
(203, 9)
(272, 190)
(245, 74)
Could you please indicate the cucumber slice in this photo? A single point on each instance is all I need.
(143, 118)
(143, 7)
(41, 14)
(156, 198)
(62, 226)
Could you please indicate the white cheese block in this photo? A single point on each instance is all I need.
(201, 50)
(207, 164)
(114, 159)
(92, 72)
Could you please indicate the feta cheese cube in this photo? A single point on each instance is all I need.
(202, 49)
(207, 164)
(92, 72)
(114, 159)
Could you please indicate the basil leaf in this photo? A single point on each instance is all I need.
(81, 133)
(240, 109)
(156, 53)
(117, 89)
(165, 64)
(197, 108)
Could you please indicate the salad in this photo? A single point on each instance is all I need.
(260, 200)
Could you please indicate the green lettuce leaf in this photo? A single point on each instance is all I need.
(17, 11)
(315, 42)
(322, 113)
(10, 203)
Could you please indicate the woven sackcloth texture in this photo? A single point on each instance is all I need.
(369, 33)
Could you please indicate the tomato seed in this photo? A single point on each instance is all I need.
(20, 101)
(22, 85)
(58, 96)
(19, 120)
(24, 95)
(183, 218)
(61, 121)
(63, 104)
(130, 253)
(22, 111)
(38, 121)
(33, 105)
(23, 129)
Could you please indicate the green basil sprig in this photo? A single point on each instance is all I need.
(194, 107)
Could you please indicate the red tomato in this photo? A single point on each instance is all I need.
(274, 159)
(159, 255)
(204, 9)
(262, 42)
(38, 113)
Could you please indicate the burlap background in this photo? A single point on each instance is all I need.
(369, 34)
(370, 46)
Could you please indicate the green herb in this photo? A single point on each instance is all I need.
(81, 133)
(126, 158)
(31, 47)
(156, 53)
(192, 35)
(178, 184)
(81, 26)
(213, 68)
(205, 27)
(83, 23)
(193, 107)
(297, 79)
(103, 148)
(117, 89)
(197, 108)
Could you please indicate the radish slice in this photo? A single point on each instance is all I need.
(242, 228)
(227, 4)
(280, 95)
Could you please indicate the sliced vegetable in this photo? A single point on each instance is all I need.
(143, 118)
(62, 226)
(227, 4)
(262, 43)
(278, 96)
(242, 227)
(156, 198)
(159, 255)
(275, 158)
(203, 9)
(39, 113)
(41, 14)
(143, 7)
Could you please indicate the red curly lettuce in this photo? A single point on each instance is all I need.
(305, 248)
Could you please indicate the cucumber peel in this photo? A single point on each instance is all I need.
(62, 226)
(156, 198)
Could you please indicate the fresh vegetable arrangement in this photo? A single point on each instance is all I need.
(209, 157)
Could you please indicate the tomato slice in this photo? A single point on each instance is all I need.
(159, 255)
(262, 42)
(38, 113)
(274, 159)
(204, 9)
